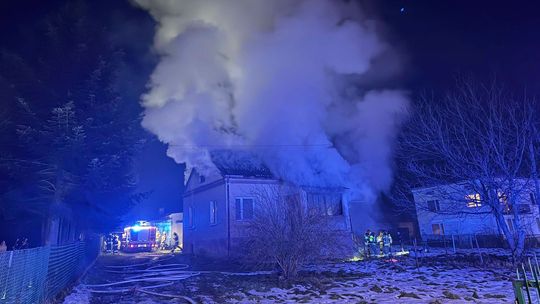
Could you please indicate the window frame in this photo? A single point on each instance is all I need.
(242, 216)
(213, 213)
(441, 228)
(436, 205)
(324, 204)
(473, 200)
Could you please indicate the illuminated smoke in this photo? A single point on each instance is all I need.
(275, 78)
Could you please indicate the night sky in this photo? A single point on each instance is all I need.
(436, 41)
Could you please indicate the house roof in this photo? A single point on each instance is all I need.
(241, 163)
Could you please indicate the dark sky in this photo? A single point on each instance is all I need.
(437, 40)
(483, 39)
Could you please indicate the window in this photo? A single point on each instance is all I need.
(190, 217)
(438, 229)
(244, 209)
(201, 179)
(433, 206)
(473, 200)
(533, 198)
(213, 210)
(328, 203)
(524, 208)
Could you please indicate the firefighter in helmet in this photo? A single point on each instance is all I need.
(367, 251)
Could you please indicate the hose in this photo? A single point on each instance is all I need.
(163, 278)
(160, 275)
(130, 289)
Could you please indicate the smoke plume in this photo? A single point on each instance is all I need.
(277, 78)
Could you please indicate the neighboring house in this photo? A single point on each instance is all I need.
(218, 208)
(454, 209)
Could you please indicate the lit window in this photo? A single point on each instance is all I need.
(213, 210)
(473, 200)
(244, 208)
(438, 229)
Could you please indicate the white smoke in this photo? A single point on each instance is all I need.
(270, 76)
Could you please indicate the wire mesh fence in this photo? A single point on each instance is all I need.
(22, 275)
(39, 274)
(65, 263)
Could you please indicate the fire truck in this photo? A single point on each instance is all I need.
(139, 237)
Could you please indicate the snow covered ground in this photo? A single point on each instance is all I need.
(438, 279)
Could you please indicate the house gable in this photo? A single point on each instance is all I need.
(197, 181)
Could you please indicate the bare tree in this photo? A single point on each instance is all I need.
(472, 147)
(287, 232)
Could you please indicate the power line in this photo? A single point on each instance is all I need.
(255, 146)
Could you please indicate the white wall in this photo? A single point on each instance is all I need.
(458, 218)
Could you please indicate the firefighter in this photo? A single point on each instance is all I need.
(176, 243)
(118, 243)
(162, 241)
(115, 244)
(387, 243)
(367, 251)
(372, 243)
(380, 242)
(109, 243)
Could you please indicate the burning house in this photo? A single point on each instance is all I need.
(218, 207)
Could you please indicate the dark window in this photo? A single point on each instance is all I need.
(524, 208)
(244, 208)
(533, 198)
(433, 205)
(326, 203)
(201, 179)
(438, 229)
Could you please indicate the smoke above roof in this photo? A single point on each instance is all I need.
(281, 79)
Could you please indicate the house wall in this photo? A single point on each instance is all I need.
(243, 188)
(249, 187)
(458, 219)
(200, 236)
(224, 238)
(177, 226)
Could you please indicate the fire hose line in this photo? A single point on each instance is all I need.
(155, 279)
(168, 257)
(150, 270)
(130, 289)
(161, 274)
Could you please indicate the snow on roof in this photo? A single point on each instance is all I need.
(242, 163)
